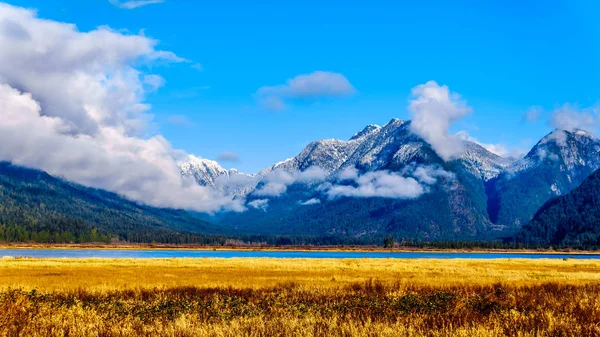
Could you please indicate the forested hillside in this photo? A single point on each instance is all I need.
(572, 219)
(35, 206)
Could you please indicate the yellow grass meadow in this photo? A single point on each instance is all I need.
(299, 297)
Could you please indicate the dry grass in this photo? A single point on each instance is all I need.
(299, 297)
(110, 274)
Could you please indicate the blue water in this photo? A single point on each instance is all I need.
(162, 253)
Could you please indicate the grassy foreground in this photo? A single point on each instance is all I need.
(299, 297)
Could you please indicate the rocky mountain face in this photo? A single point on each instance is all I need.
(451, 205)
(390, 147)
(474, 196)
(209, 173)
(555, 165)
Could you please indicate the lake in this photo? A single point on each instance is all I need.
(180, 253)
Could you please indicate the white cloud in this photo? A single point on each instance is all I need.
(312, 201)
(277, 181)
(235, 183)
(140, 169)
(434, 109)
(429, 174)
(559, 136)
(197, 66)
(134, 3)
(543, 154)
(349, 173)
(259, 204)
(569, 117)
(83, 77)
(228, 156)
(71, 104)
(318, 84)
(411, 183)
(383, 184)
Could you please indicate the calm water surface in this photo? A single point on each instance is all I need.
(162, 253)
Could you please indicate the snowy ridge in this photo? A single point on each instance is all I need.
(209, 173)
(393, 147)
(387, 147)
(568, 149)
(204, 171)
(483, 162)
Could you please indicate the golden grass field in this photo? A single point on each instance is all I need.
(299, 297)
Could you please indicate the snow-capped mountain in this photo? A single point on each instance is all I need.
(204, 171)
(387, 147)
(483, 162)
(476, 194)
(557, 164)
(570, 150)
(209, 173)
(459, 197)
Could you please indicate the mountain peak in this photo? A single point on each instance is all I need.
(568, 149)
(204, 171)
(560, 136)
(584, 133)
(395, 121)
(369, 129)
(192, 162)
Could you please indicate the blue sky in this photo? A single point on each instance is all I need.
(501, 57)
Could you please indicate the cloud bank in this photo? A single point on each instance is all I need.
(262, 204)
(569, 117)
(377, 184)
(434, 109)
(411, 183)
(89, 129)
(276, 182)
(318, 84)
(313, 201)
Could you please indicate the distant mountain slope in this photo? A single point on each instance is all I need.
(483, 195)
(36, 200)
(453, 208)
(572, 219)
(555, 165)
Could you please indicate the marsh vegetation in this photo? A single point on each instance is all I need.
(272, 297)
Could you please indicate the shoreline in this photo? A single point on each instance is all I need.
(358, 249)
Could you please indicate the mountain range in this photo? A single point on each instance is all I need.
(384, 180)
(477, 195)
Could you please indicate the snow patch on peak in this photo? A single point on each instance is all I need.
(368, 130)
(395, 122)
(209, 173)
(584, 133)
(568, 149)
(192, 160)
(482, 162)
(204, 170)
(281, 163)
